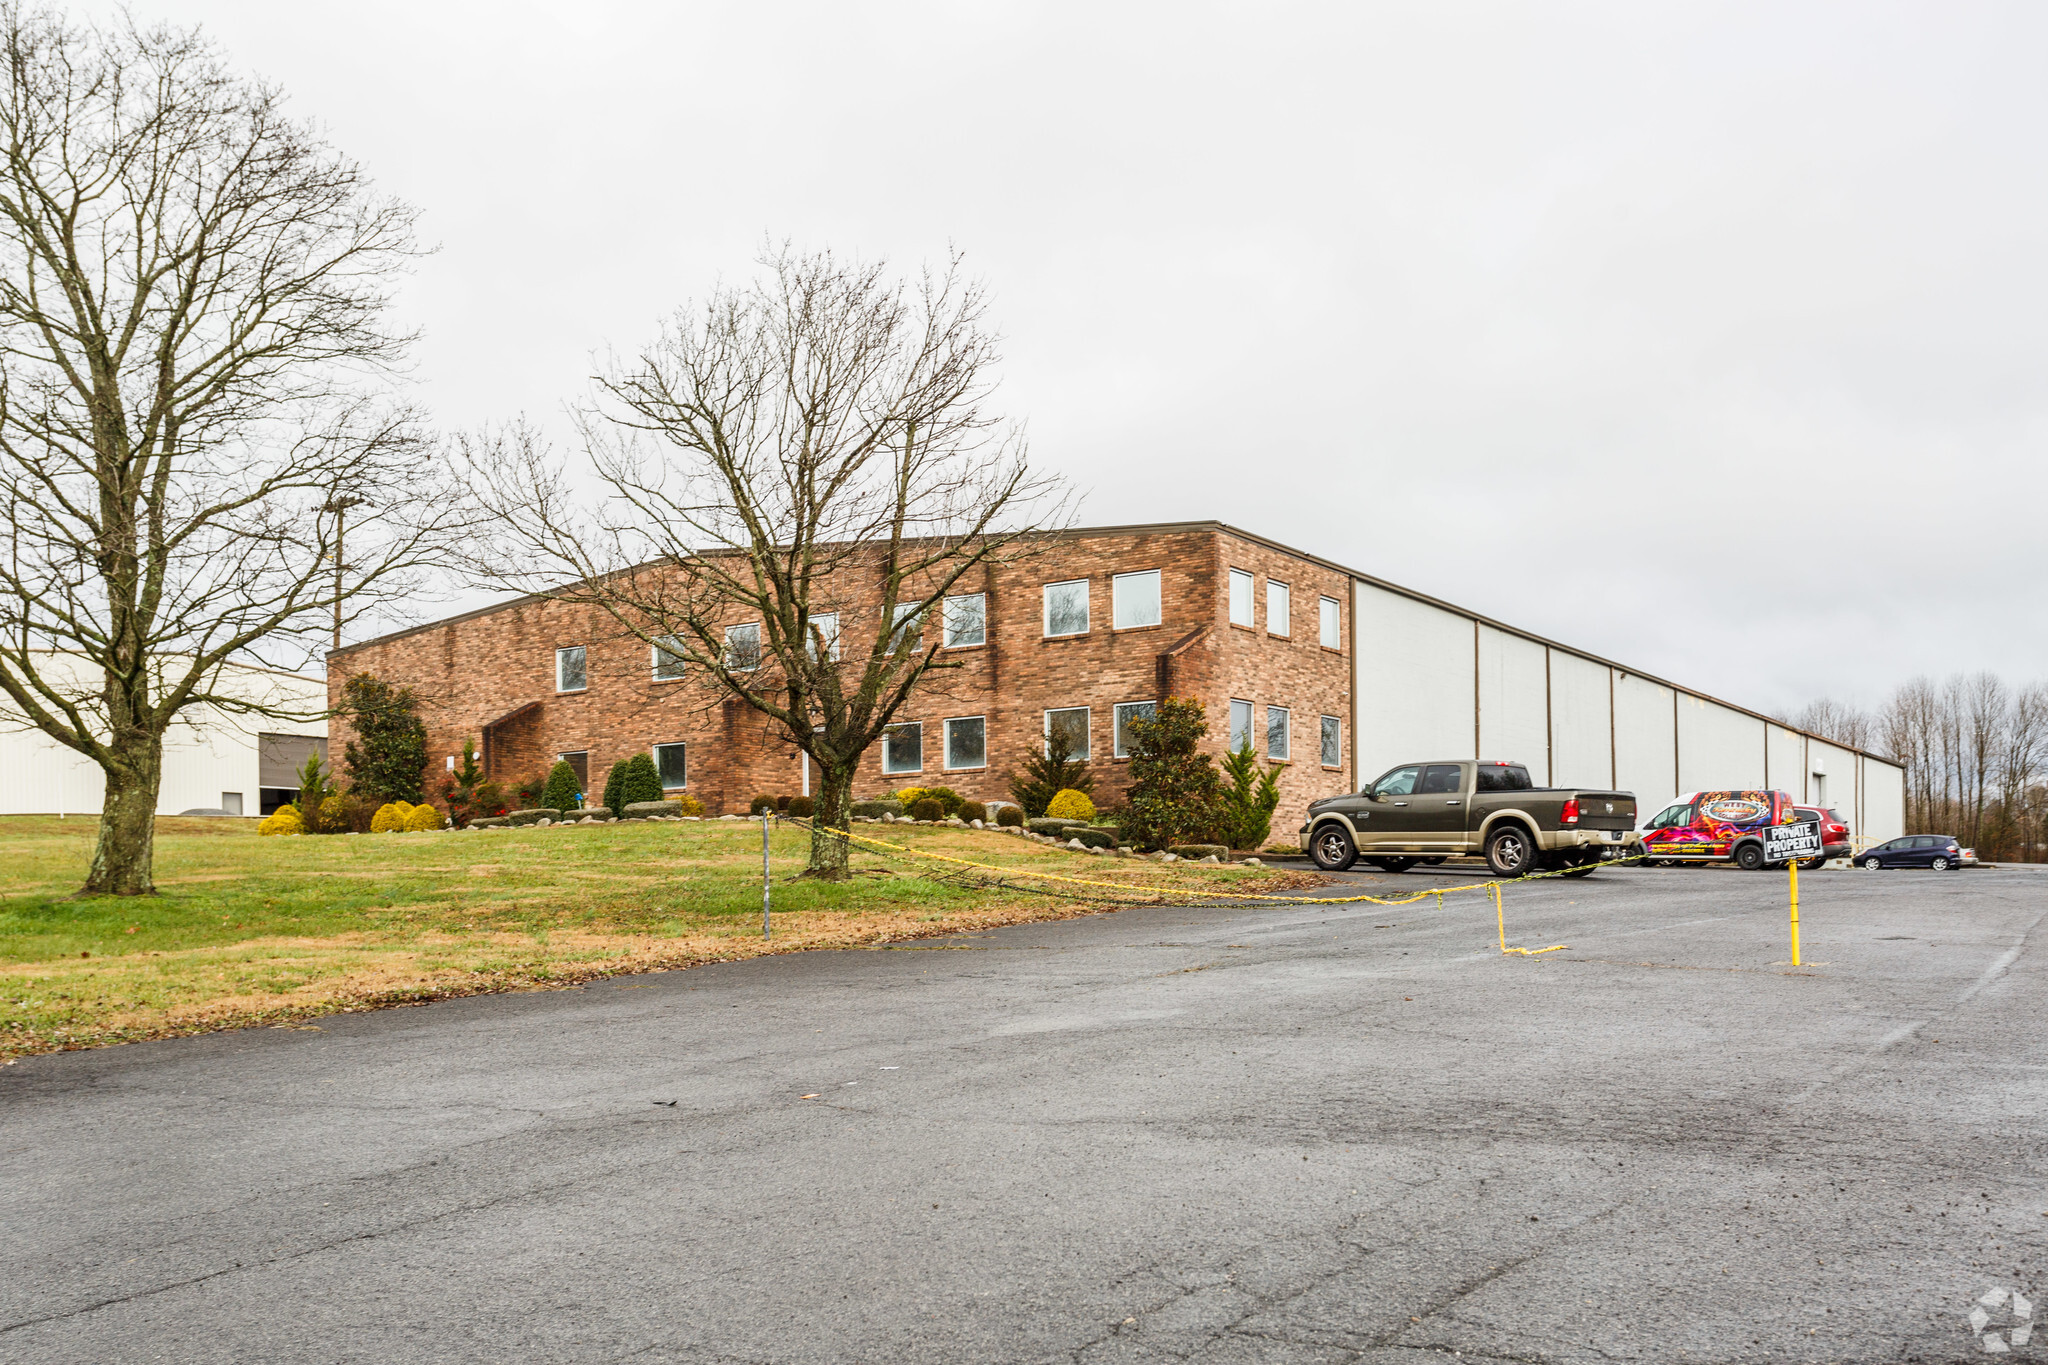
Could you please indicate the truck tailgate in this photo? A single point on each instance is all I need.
(1607, 810)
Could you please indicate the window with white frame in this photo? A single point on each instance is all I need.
(1240, 725)
(1333, 742)
(569, 670)
(1278, 617)
(743, 647)
(1331, 622)
(966, 619)
(903, 748)
(909, 627)
(1126, 712)
(824, 628)
(1134, 600)
(1242, 586)
(1276, 734)
(967, 742)
(672, 762)
(1071, 724)
(1066, 608)
(668, 658)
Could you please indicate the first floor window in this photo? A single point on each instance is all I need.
(579, 764)
(743, 647)
(668, 659)
(966, 620)
(1240, 725)
(1331, 623)
(1066, 608)
(569, 674)
(670, 760)
(903, 748)
(1279, 614)
(1241, 586)
(967, 742)
(1276, 733)
(1134, 600)
(1126, 712)
(1333, 742)
(1071, 724)
(825, 631)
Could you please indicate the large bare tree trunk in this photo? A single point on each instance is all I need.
(829, 824)
(124, 862)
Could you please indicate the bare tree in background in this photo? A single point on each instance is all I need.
(193, 336)
(1975, 751)
(783, 454)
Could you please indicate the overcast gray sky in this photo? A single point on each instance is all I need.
(1608, 320)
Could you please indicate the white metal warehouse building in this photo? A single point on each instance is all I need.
(1434, 681)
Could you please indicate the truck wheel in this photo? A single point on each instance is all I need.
(1749, 857)
(1332, 849)
(1811, 864)
(1393, 864)
(1582, 870)
(1511, 852)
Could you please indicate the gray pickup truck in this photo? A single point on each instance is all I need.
(1426, 812)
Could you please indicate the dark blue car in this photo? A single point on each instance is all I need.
(1938, 851)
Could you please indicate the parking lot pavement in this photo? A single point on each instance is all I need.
(1304, 1133)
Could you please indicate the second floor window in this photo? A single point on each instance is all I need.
(1241, 588)
(825, 627)
(1277, 609)
(1333, 742)
(1066, 608)
(1134, 600)
(743, 647)
(1276, 733)
(909, 626)
(1331, 623)
(569, 671)
(668, 659)
(966, 620)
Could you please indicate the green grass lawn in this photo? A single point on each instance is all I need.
(251, 930)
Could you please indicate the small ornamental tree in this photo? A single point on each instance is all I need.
(1048, 774)
(463, 788)
(615, 788)
(563, 789)
(388, 756)
(642, 782)
(314, 789)
(1250, 795)
(1175, 792)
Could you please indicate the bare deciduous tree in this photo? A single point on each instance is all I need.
(193, 338)
(1974, 749)
(811, 456)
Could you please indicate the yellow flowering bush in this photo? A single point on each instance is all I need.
(1070, 805)
(424, 817)
(390, 817)
(283, 820)
(909, 796)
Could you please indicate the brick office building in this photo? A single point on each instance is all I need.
(1080, 637)
(1334, 675)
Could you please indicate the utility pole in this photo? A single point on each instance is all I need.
(339, 506)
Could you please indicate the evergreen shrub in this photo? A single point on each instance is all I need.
(1070, 805)
(927, 808)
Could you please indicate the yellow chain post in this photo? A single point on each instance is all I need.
(1792, 866)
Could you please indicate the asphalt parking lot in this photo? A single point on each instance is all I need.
(1305, 1133)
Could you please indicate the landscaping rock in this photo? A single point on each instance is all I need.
(598, 813)
(1093, 837)
(976, 824)
(1251, 862)
(647, 810)
(1076, 843)
(1199, 851)
(539, 815)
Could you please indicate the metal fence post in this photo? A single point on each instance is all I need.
(767, 925)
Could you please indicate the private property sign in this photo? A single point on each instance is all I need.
(1784, 843)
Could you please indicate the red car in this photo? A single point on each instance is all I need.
(1834, 833)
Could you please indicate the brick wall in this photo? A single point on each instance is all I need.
(474, 669)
